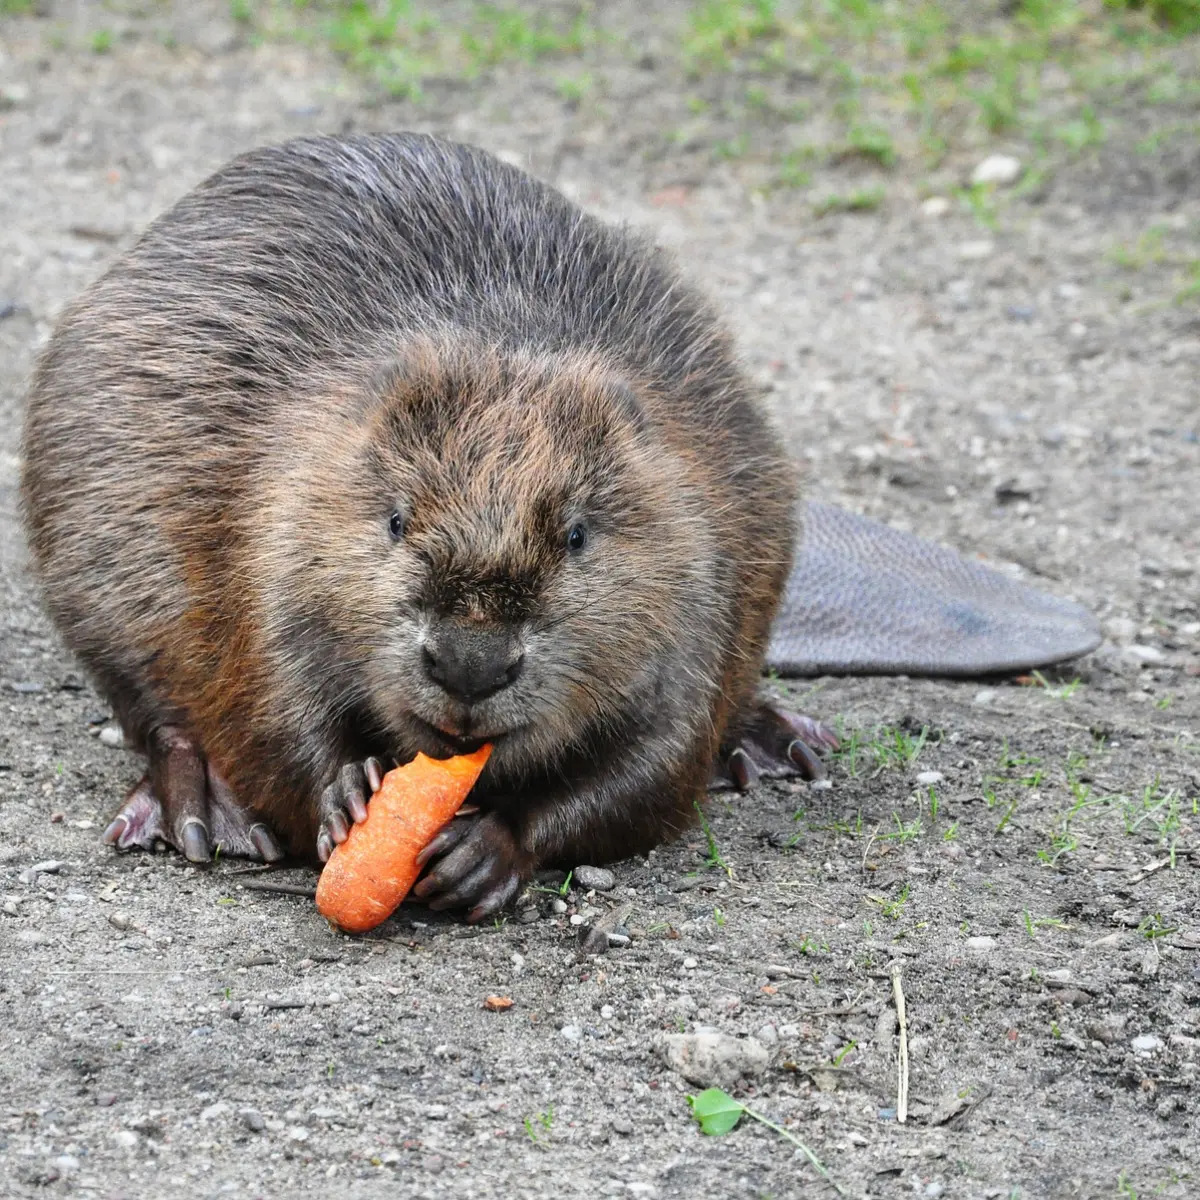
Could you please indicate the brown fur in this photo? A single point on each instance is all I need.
(221, 427)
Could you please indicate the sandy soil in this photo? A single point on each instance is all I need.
(1032, 866)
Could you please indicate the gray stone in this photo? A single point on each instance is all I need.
(714, 1059)
(594, 878)
(253, 1120)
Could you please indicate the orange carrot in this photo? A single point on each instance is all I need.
(368, 875)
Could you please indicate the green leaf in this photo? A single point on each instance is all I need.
(716, 1111)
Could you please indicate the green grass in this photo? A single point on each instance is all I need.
(782, 87)
(399, 45)
(883, 748)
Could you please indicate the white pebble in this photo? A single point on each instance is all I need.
(1145, 654)
(111, 735)
(984, 697)
(997, 168)
(981, 945)
(125, 1138)
(928, 778)
(935, 206)
(571, 1032)
(973, 251)
(1146, 1043)
(690, 964)
(608, 1012)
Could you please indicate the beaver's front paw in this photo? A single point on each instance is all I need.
(344, 803)
(480, 865)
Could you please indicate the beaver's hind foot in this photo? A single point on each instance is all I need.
(777, 744)
(184, 802)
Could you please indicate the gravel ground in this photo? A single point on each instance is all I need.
(1028, 854)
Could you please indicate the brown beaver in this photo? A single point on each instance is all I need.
(374, 445)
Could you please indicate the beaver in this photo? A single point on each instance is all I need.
(374, 445)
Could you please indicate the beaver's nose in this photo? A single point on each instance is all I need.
(471, 663)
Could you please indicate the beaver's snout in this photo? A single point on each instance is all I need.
(472, 662)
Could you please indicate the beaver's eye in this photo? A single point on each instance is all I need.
(576, 539)
(396, 526)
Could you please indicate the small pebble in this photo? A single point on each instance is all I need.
(984, 697)
(1146, 1043)
(928, 778)
(558, 905)
(622, 1125)
(821, 785)
(527, 916)
(297, 1133)
(1120, 629)
(997, 168)
(768, 1035)
(576, 918)
(1144, 654)
(119, 920)
(213, 1111)
(253, 1120)
(33, 937)
(52, 866)
(974, 251)
(690, 964)
(713, 1059)
(607, 1012)
(67, 1163)
(594, 877)
(111, 735)
(618, 941)
(572, 1033)
(935, 206)
(981, 945)
(125, 1138)
(437, 1112)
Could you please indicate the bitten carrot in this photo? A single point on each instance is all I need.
(368, 875)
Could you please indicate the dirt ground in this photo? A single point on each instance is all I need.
(1030, 859)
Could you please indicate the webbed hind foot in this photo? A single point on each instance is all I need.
(184, 802)
(776, 745)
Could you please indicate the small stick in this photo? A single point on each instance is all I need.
(282, 889)
(902, 1087)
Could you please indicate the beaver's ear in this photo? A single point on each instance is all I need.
(628, 405)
